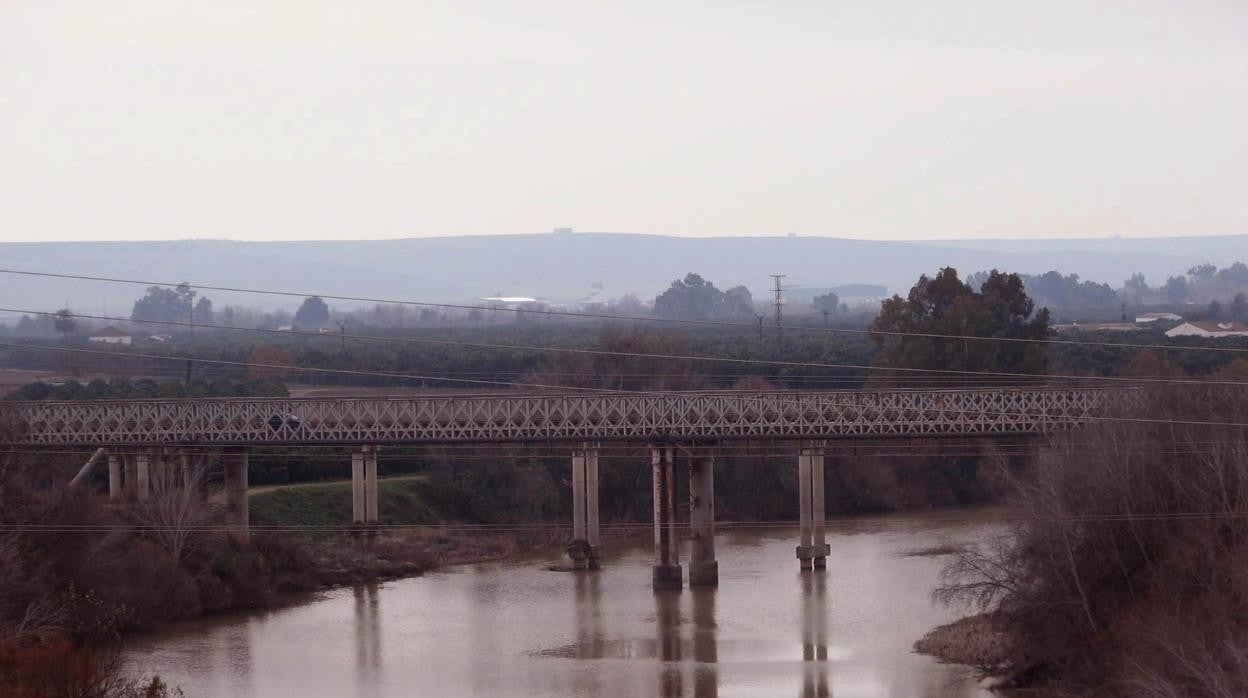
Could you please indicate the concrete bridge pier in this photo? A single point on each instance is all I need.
(585, 524)
(115, 492)
(357, 486)
(143, 475)
(237, 517)
(371, 509)
(667, 572)
(813, 550)
(131, 478)
(703, 568)
(364, 488)
(187, 469)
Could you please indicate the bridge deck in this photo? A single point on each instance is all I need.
(563, 417)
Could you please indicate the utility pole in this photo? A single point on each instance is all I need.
(779, 291)
(760, 317)
(190, 362)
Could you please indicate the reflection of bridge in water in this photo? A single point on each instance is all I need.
(137, 436)
(689, 650)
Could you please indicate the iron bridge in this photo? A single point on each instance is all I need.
(672, 416)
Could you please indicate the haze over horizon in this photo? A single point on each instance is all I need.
(259, 120)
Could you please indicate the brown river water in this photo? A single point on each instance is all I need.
(514, 628)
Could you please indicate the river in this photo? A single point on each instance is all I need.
(514, 628)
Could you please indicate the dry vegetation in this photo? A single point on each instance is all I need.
(1127, 571)
(76, 573)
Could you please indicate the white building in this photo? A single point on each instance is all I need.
(1209, 329)
(1154, 317)
(110, 335)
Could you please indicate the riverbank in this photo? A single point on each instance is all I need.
(345, 559)
(983, 641)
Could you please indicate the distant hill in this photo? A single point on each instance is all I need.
(563, 267)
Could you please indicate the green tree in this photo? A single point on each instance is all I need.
(1175, 289)
(313, 313)
(1202, 272)
(203, 312)
(177, 305)
(828, 303)
(64, 323)
(907, 329)
(1135, 287)
(1239, 307)
(1237, 273)
(694, 298)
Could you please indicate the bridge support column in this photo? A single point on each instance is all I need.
(358, 498)
(237, 518)
(592, 533)
(667, 572)
(585, 525)
(813, 550)
(370, 484)
(114, 477)
(184, 463)
(131, 478)
(703, 568)
(143, 481)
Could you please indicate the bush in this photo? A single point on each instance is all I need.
(1125, 573)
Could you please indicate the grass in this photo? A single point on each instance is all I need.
(402, 501)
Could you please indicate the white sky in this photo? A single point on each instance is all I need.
(309, 119)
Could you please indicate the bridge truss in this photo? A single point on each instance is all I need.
(563, 417)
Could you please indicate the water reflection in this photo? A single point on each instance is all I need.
(589, 636)
(367, 631)
(814, 635)
(687, 659)
(667, 617)
(517, 629)
(589, 630)
(705, 644)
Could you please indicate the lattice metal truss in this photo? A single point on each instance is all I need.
(515, 418)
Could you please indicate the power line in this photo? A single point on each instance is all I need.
(619, 392)
(624, 354)
(607, 316)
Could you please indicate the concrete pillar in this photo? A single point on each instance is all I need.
(578, 495)
(143, 483)
(818, 510)
(237, 518)
(131, 480)
(667, 572)
(804, 501)
(811, 552)
(592, 534)
(370, 484)
(585, 524)
(188, 470)
(703, 568)
(114, 477)
(358, 498)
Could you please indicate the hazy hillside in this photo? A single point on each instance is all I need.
(563, 266)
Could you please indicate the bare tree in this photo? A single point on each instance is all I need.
(1124, 573)
(175, 513)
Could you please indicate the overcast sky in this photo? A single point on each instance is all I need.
(302, 119)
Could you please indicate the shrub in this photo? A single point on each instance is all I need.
(1125, 572)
